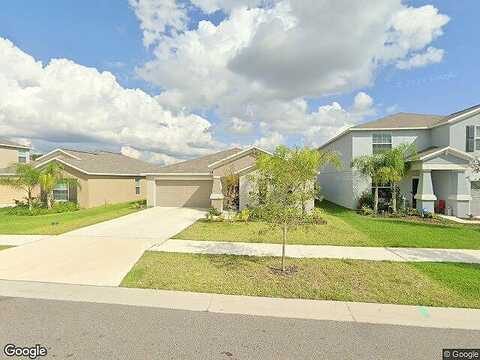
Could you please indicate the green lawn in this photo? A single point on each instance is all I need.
(430, 284)
(3, 247)
(344, 227)
(53, 224)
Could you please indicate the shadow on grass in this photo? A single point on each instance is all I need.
(233, 262)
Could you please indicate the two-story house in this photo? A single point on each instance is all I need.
(11, 153)
(441, 177)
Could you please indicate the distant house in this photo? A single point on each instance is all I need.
(104, 177)
(198, 182)
(11, 153)
(441, 178)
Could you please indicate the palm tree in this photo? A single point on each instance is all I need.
(50, 177)
(395, 167)
(371, 166)
(26, 178)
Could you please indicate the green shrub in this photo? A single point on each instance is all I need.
(61, 207)
(39, 209)
(244, 215)
(138, 204)
(366, 200)
(366, 211)
(316, 217)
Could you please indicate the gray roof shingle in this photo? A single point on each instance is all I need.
(199, 165)
(7, 142)
(403, 120)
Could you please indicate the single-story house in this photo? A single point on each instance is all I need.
(104, 177)
(441, 177)
(198, 182)
(11, 153)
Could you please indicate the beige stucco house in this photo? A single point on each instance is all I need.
(10, 154)
(198, 183)
(104, 177)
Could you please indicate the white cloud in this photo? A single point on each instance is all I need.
(239, 126)
(131, 152)
(362, 103)
(63, 102)
(267, 57)
(430, 56)
(270, 142)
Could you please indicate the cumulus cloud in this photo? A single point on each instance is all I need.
(266, 57)
(430, 56)
(131, 152)
(65, 102)
(270, 142)
(239, 126)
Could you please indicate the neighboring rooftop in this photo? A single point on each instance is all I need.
(199, 165)
(103, 162)
(403, 120)
(6, 142)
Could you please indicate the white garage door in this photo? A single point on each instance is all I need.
(184, 193)
(475, 204)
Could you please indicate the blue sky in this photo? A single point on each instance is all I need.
(107, 36)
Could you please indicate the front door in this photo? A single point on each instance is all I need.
(414, 192)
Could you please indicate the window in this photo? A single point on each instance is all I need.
(381, 142)
(477, 138)
(470, 142)
(22, 156)
(137, 186)
(60, 192)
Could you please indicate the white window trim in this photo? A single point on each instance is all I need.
(476, 137)
(23, 153)
(62, 200)
(138, 185)
(382, 143)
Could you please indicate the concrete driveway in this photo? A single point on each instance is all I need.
(100, 254)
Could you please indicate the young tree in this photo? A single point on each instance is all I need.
(370, 166)
(231, 190)
(283, 183)
(26, 178)
(50, 177)
(395, 166)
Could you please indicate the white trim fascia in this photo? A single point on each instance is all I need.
(237, 155)
(182, 178)
(4, 174)
(447, 150)
(175, 174)
(59, 150)
(458, 118)
(16, 146)
(84, 171)
(430, 167)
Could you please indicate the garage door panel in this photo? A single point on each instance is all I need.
(184, 193)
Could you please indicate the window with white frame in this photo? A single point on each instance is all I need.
(477, 138)
(137, 186)
(22, 156)
(381, 142)
(60, 192)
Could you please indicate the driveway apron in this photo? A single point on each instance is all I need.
(100, 254)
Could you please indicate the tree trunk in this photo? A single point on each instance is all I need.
(49, 201)
(283, 245)
(394, 198)
(375, 201)
(29, 199)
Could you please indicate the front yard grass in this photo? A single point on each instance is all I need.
(54, 224)
(344, 227)
(429, 284)
(3, 247)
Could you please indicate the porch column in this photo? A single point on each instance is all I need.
(459, 194)
(151, 191)
(425, 196)
(216, 197)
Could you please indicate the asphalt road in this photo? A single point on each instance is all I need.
(73, 330)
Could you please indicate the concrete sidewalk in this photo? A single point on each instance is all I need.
(17, 240)
(451, 318)
(320, 251)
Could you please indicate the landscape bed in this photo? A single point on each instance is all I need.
(346, 228)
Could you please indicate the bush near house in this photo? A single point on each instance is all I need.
(37, 208)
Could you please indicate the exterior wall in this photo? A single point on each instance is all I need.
(458, 136)
(235, 166)
(8, 195)
(113, 190)
(336, 185)
(8, 156)
(441, 136)
(100, 190)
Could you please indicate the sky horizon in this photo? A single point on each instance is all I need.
(169, 80)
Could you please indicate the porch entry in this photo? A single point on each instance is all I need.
(414, 192)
